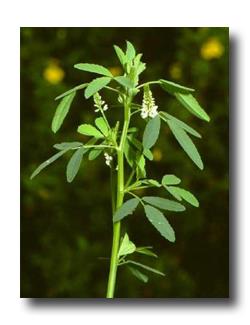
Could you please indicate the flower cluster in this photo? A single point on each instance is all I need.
(149, 109)
(99, 103)
(108, 159)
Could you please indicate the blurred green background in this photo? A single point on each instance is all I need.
(66, 227)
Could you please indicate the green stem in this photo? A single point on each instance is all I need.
(119, 201)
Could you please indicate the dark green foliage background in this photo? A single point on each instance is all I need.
(66, 227)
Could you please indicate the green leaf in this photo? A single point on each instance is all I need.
(164, 204)
(48, 162)
(74, 164)
(127, 246)
(148, 154)
(151, 182)
(94, 153)
(139, 275)
(95, 68)
(191, 104)
(158, 220)
(102, 126)
(145, 251)
(183, 194)
(165, 116)
(61, 111)
(140, 167)
(90, 130)
(146, 267)
(72, 90)
(95, 85)
(67, 145)
(170, 180)
(173, 88)
(120, 54)
(130, 52)
(124, 81)
(151, 132)
(127, 208)
(130, 154)
(186, 143)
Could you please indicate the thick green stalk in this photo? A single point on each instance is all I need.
(119, 201)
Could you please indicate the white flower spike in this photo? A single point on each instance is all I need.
(149, 109)
(108, 159)
(99, 103)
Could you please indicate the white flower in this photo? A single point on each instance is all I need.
(149, 109)
(99, 103)
(108, 159)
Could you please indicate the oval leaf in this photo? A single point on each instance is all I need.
(158, 220)
(127, 208)
(130, 52)
(90, 130)
(170, 180)
(94, 153)
(124, 81)
(180, 123)
(95, 68)
(95, 85)
(164, 204)
(121, 56)
(61, 111)
(191, 104)
(186, 143)
(74, 164)
(151, 132)
(172, 87)
(183, 194)
(67, 145)
(102, 125)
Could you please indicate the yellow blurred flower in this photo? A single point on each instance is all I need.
(212, 49)
(116, 71)
(175, 71)
(53, 73)
(157, 154)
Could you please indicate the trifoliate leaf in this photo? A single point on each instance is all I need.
(124, 81)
